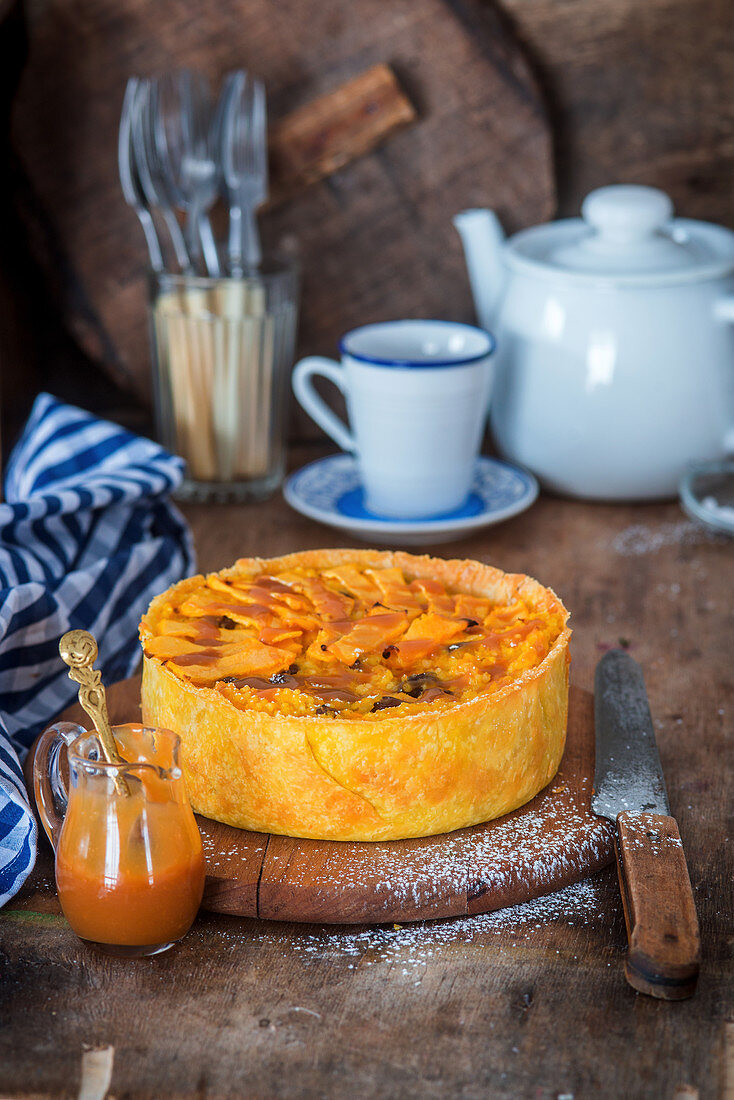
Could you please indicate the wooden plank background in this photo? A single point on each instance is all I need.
(637, 93)
(375, 239)
(633, 92)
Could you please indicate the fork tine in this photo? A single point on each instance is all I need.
(140, 106)
(259, 138)
(232, 94)
(124, 159)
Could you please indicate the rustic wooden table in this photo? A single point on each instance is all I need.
(529, 1002)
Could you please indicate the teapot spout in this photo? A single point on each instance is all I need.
(482, 237)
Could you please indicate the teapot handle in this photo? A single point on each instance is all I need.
(724, 311)
(49, 784)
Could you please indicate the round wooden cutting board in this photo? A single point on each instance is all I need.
(551, 842)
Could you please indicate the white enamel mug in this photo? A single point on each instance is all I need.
(417, 395)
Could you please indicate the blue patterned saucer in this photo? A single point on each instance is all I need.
(329, 490)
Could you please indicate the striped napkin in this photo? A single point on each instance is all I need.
(87, 538)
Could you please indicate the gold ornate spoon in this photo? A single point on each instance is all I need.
(78, 649)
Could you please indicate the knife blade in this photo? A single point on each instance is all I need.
(628, 773)
(629, 789)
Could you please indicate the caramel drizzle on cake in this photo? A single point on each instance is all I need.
(346, 640)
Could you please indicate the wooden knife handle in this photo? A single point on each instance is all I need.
(662, 926)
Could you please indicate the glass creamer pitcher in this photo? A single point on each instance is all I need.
(129, 858)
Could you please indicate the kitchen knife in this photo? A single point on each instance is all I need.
(629, 789)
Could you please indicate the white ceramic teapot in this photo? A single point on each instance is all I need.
(615, 358)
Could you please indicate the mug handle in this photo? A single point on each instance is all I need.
(49, 786)
(316, 408)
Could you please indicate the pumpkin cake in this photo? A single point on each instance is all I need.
(359, 695)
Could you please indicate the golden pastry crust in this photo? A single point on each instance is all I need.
(365, 774)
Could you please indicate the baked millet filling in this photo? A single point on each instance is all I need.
(346, 640)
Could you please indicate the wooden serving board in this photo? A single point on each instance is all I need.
(551, 842)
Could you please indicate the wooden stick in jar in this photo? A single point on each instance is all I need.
(173, 354)
(230, 295)
(200, 363)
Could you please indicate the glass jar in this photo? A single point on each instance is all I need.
(223, 350)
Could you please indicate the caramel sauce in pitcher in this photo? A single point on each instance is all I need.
(130, 866)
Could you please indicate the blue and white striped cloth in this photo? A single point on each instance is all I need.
(87, 538)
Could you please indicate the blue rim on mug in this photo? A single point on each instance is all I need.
(418, 364)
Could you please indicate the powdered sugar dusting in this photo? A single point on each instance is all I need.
(412, 946)
(550, 843)
(640, 539)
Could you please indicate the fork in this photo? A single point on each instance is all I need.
(182, 130)
(156, 187)
(244, 164)
(129, 177)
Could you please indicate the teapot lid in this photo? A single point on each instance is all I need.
(626, 234)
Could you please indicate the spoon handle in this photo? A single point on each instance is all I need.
(251, 250)
(235, 240)
(209, 246)
(78, 650)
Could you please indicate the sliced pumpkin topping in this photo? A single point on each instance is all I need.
(273, 584)
(427, 633)
(253, 613)
(190, 628)
(291, 601)
(394, 589)
(369, 635)
(303, 620)
(328, 604)
(436, 628)
(194, 607)
(434, 594)
(345, 641)
(356, 583)
(274, 635)
(255, 659)
(233, 591)
(167, 646)
(198, 603)
(471, 607)
(318, 650)
(508, 613)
